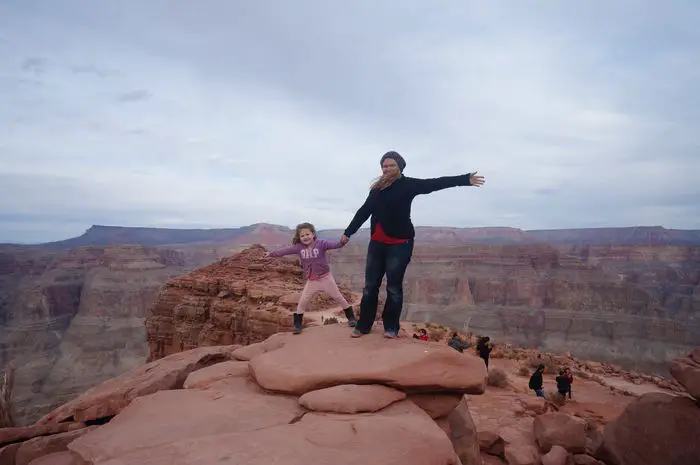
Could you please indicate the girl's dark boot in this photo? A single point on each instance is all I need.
(298, 317)
(350, 315)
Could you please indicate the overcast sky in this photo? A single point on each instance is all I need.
(220, 113)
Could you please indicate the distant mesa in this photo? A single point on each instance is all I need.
(271, 234)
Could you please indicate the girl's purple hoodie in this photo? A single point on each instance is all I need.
(313, 257)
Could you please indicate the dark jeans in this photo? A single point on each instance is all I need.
(392, 260)
(485, 359)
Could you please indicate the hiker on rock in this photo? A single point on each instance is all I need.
(570, 378)
(457, 344)
(536, 382)
(484, 348)
(312, 253)
(422, 335)
(392, 233)
(563, 383)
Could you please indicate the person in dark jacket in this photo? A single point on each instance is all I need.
(484, 348)
(392, 233)
(457, 344)
(536, 382)
(570, 377)
(563, 383)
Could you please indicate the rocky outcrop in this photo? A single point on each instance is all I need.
(230, 419)
(655, 429)
(112, 396)
(687, 371)
(240, 299)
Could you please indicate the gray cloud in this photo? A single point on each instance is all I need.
(579, 115)
(34, 65)
(134, 96)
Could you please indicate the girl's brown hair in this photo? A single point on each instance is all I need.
(385, 180)
(297, 232)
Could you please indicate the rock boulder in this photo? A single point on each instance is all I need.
(654, 429)
(340, 359)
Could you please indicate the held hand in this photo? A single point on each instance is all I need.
(344, 239)
(266, 255)
(475, 180)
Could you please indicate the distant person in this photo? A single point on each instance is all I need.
(312, 253)
(536, 382)
(457, 344)
(484, 348)
(422, 335)
(563, 383)
(392, 234)
(570, 377)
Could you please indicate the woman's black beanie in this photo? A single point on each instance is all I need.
(396, 157)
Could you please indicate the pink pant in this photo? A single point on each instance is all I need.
(326, 284)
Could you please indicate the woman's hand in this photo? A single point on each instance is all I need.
(344, 239)
(475, 180)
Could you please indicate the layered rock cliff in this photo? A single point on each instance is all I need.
(634, 306)
(69, 319)
(72, 319)
(240, 299)
(271, 234)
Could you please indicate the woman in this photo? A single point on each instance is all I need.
(484, 348)
(391, 244)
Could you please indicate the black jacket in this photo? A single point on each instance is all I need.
(484, 350)
(536, 380)
(392, 206)
(563, 383)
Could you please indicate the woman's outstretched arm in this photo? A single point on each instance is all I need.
(426, 186)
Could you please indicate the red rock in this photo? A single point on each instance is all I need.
(241, 299)
(351, 398)
(7, 453)
(45, 445)
(8, 435)
(559, 429)
(56, 458)
(583, 459)
(399, 363)
(206, 376)
(171, 417)
(522, 455)
(110, 397)
(654, 429)
(557, 455)
(463, 434)
(401, 434)
(444, 425)
(537, 405)
(246, 353)
(436, 405)
(491, 460)
(687, 371)
(491, 443)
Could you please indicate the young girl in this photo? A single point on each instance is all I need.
(312, 252)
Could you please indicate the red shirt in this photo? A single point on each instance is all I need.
(424, 337)
(380, 236)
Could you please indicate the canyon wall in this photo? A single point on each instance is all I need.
(263, 233)
(72, 319)
(634, 306)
